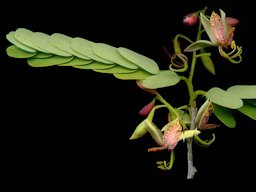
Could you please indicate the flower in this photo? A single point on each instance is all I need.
(173, 133)
(220, 31)
(170, 138)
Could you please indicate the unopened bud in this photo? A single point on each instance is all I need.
(147, 108)
(152, 91)
(232, 21)
(139, 131)
(190, 19)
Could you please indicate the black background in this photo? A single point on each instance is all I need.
(71, 127)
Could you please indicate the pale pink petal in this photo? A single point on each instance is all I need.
(171, 135)
(217, 28)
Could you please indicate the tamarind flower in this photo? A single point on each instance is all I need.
(224, 34)
(166, 138)
(172, 135)
(220, 31)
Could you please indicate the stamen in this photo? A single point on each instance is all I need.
(179, 61)
(231, 56)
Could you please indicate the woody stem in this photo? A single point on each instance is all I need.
(192, 94)
(191, 168)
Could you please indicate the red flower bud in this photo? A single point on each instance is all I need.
(232, 21)
(190, 19)
(152, 91)
(147, 108)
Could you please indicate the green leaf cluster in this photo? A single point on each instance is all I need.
(43, 50)
(238, 97)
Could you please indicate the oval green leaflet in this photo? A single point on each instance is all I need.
(94, 65)
(42, 41)
(76, 61)
(41, 55)
(10, 37)
(224, 115)
(137, 75)
(25, 36)
(115, 70)
(63, 42)
(224, 98)
(164, 78)
(142, 61)
(15, 52)
(251, 101)
(249, 110)
(45, 62)
(111, 53)
(243, 91)
(84, 47)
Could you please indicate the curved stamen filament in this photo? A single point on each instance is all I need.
(179, 61)
(164, 165)
(234, 53)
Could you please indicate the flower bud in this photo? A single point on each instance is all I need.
(139, 131)
(208, 63)
(152, 91)
(190, 19)
(147, 108)
(232, 21)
